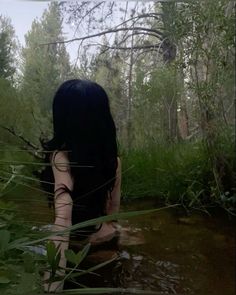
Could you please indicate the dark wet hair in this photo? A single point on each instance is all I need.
(83, 126)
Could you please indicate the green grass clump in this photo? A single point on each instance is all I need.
(176, 173)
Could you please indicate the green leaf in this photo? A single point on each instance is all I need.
(3, 224)
(70, 256)
(27, 284)
(82, 254)
(53, 256)
(17, 243)
(4, 280)
(4, 240)
(51, 252)
(28, 262)
(7, 217)
(79, 257)
(56, 262)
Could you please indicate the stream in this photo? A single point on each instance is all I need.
(168, 251)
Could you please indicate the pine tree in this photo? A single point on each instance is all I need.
(45, 66)
(7, 48)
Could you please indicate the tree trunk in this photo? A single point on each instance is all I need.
(129, 101)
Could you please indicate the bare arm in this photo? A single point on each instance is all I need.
(63, 210)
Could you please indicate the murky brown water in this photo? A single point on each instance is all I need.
(167, 252)
(182, 255)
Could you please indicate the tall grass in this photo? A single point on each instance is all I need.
(176, 173)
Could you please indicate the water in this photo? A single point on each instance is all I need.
(167, 251)
(181, 255)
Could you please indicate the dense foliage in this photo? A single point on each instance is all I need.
(168, 68)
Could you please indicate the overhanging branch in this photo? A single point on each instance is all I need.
(156, 33)
(151, 46)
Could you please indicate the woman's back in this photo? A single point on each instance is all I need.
(84, 163)
(85, 204)
(87, 189)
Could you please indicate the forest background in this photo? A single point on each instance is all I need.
(168, 68)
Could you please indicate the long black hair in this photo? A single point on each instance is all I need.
(84, 127)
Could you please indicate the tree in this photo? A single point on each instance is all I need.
(106, 68)
(44, 67)
(143, 31)
(206, 30)
(177, 32)
(8, 46)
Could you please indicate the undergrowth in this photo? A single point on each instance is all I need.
(178, 173)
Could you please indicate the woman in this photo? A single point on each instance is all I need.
(84, 161)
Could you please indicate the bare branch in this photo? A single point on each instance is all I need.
(153, 15)
(29, 145)
(155, 32)
(86, 14)
(151, 46)
(135, 33)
